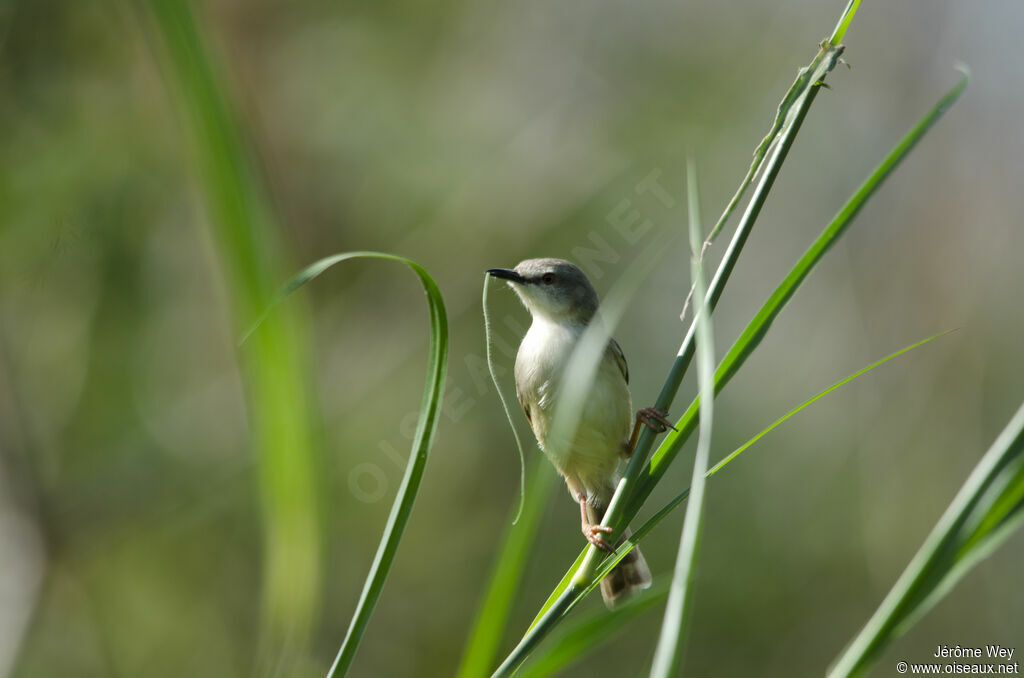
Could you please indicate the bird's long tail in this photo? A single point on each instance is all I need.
(630, 576)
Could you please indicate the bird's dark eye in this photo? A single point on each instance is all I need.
(548, 278)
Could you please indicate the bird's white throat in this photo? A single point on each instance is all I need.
(547, 348)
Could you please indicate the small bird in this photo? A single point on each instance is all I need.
(562, 302)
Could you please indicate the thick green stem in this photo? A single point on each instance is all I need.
(633, 488)
(812, 75)
(538, 632)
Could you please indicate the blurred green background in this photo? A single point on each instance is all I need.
(469, 135)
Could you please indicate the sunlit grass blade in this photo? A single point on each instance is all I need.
(1002, 520)
(668, 655)
(579, 577)
(788, 119)
(980, 545)
(430, 411)
(664, 511)
(804, 92)
(842, 382)
(574, 641)
(844, 22)
(984, 512)
(560, 590)
(274, 364)
(758, 327)
(560, 602)
(509, 567)
(793, 95)
(792, 112)
(637, 486)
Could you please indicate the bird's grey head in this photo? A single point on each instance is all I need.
(554, 289)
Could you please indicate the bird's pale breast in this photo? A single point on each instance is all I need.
(589, 462)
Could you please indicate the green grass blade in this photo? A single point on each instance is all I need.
(504, 403)
(942, 559)
(639, 534)
(801, 91)
(668, 655)
(559, 604)
(758, 327)
(830, 234)
(961, 566)
(559, 590)
(796, 96)
(496, 605)
(842, 382)
(274, 365)
(977, 548)
(796, 104)
(1008, 493)
(788, 119)
(430, 412)
(844, 22)
(573, 642)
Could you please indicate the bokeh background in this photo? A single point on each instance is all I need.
(470, 135)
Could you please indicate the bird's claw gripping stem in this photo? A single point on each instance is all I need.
(593, 532)
(654, 419)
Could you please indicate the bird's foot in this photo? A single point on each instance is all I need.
(655, 419)
(593, 534)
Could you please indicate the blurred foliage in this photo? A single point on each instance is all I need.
(473, 135)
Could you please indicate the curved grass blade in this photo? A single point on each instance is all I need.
(668, 655)
(504, 403)
(573, 642)
(430, 411)
(492, 616)
(990, 500)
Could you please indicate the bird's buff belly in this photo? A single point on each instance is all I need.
(590, 459)
(589, 463)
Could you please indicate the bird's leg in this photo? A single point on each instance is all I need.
(593, 532)
(655, 419)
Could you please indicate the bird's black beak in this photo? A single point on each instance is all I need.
(506, 274)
